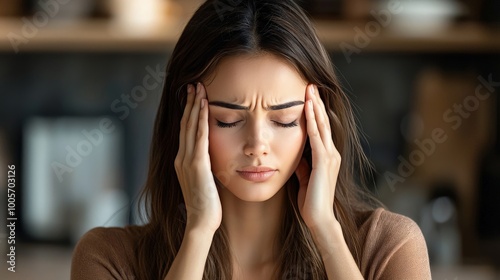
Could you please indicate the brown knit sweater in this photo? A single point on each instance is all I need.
(393, 248)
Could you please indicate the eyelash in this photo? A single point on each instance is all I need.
(229, 125)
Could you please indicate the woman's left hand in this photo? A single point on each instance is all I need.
(317, 186)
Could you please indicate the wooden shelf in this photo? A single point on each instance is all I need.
(92, 36)
(464, 37)
(108, 36)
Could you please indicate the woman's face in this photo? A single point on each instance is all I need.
(256, 120)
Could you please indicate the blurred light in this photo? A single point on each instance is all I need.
(442, 209)
(425, 16)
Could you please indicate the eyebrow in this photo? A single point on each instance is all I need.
(270, 108)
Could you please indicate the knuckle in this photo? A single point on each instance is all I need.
(177, 163)
(199, 134)
(336, 154)
(335, 159)
(331, 156)
(314, 132)
(197, 158)
(189, 125)
(185, 165)
(185, 115)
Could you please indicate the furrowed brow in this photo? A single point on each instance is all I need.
(270, 108)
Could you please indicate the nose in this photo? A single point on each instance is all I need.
(257, 143)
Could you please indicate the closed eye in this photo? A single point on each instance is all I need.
(287, 125)
(226, 125)
(229, 125)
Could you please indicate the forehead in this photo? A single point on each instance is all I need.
(264, 76)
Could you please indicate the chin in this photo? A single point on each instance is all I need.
(253, 196)
(254, 192)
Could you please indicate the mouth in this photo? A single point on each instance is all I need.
(256, 169)
(256, 173)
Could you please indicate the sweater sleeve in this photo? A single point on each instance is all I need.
(395, 248)
(102, 253)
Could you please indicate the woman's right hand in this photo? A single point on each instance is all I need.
(192, 165)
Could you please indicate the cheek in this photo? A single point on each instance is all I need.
(290, 144)
(220, 147)
(222, 150)
(215, 141)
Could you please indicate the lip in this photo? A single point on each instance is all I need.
(256, 173)
(256, 169)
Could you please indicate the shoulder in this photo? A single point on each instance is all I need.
(111, 236)
(383, 224)
(392, 246)
(106, 253)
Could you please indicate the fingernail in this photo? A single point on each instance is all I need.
(190, 88)
(312, 89)
(202, 103)
(198, 88)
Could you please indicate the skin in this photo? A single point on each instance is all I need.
(258, 137)
(251, 211)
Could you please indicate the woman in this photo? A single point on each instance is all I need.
(253, 165)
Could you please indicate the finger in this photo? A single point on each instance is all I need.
(319, 113)
(192, 123)
(321, 118)
(201, 148)
(322, 107)
(312, 131)
(184, 119)
(326, 135)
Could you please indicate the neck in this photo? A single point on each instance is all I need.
(252, 228)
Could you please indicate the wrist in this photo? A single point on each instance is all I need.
(327, 227)
(198, 232)
(337, 258)
(198, 238)
(328, 237)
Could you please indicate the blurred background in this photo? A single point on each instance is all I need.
(80, 82)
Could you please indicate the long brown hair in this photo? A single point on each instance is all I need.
(218, 30)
